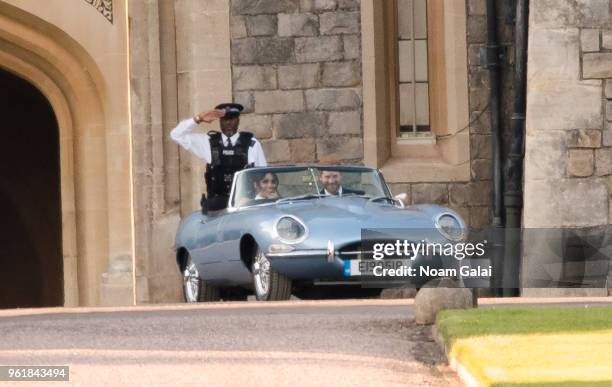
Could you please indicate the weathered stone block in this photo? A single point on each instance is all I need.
(352, 46)
(260, 125)
(608, 88)
(479, 98)
(477, 29)
(301, 76)
(480, 217)
(276, 151)
(332, 23)
(303, 150)
(479, 77)
(569, 13)
(333, 99)
(301, 24)
(589, 40)
(481, 193)
(429, 193)
(607, 135)
(336, 149)
(597, 65)
(256, 7)
(459, 195)
(338, 74)
(480, 147)
(545, 155)
(583, 138)
(349, 4)
(557, 104)
(578, 212)
(261, 25)
(606, 39)
(280, 101)
(345, 122)
(254, 77)
(474, 54)
(482, 169)
(299, 125)
(477, 7)
(317, 5)
(580, 163)
(609, 111)
(480, 122)
(603, 161)
(318, 49)
(237, 27)
(262, 50)
(244, 50)
(245, 98)
(554, 55)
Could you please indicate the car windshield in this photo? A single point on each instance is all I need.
(269, 185)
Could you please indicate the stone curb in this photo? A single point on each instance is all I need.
(455, 364)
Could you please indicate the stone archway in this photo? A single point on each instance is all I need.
(66, 75)
(30, 225)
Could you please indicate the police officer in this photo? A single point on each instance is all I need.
(224, 153)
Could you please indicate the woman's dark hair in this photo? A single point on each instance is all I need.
(259, 176)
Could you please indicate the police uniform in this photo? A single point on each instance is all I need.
(223, 156)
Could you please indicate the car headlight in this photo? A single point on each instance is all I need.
(450, 226)
(290, 229)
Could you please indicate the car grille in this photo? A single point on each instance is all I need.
(356, 251)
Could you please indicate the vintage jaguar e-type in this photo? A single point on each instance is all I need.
(298, 238)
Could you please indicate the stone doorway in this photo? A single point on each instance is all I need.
(31, 261)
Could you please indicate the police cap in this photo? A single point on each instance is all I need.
(232, 110)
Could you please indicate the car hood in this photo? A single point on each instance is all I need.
(355, 212)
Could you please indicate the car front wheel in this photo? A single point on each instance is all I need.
(269, 284)
(194, 288)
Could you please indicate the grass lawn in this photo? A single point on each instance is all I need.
(532, 346)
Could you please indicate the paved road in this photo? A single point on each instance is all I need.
(365, 342)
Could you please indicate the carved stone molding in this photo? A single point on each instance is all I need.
(105, 7)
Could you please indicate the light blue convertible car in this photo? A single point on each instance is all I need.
(292, 230)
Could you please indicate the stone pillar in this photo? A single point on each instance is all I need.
(567, 165)
(203, 77)
(155, 160)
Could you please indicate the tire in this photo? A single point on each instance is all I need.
(194, 288)
(269, 284)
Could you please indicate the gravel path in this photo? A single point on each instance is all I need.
(297, 343)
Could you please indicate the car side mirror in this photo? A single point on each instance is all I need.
(399, 199)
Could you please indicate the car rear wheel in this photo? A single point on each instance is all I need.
(269, 284)
(194, 288)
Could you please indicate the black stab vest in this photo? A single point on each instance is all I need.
(225, 161)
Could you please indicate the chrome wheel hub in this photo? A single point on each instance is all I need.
(261, 274)
(191, 282)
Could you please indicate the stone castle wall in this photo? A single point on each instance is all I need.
(296, 68)
(568, 164)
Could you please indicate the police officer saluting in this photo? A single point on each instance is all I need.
(224, 153)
